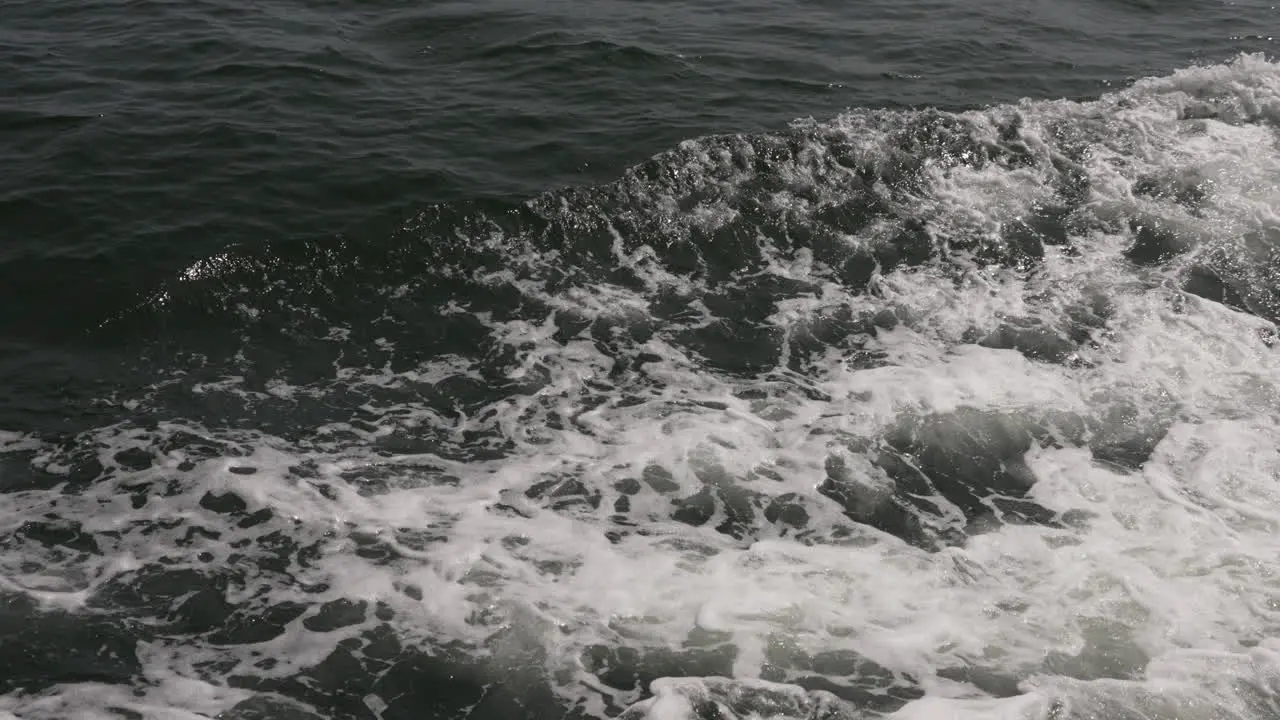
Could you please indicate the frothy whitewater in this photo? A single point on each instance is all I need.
(899, 414)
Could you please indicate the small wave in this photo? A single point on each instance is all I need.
(561, 48)
(897, 413)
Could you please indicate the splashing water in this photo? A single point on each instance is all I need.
(906, 414)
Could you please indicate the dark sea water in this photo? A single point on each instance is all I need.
(666, 359)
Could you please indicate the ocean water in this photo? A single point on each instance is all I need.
(651, 360)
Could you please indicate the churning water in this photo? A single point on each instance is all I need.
(902, 413)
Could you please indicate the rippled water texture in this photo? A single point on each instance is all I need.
(142, 137)
(639, 360)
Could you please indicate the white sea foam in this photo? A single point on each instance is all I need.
(1153, 592)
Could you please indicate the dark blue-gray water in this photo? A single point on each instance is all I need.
(500, 360)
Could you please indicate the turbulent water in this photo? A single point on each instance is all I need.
(909, 411)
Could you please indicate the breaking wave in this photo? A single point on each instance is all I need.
(902, 413)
